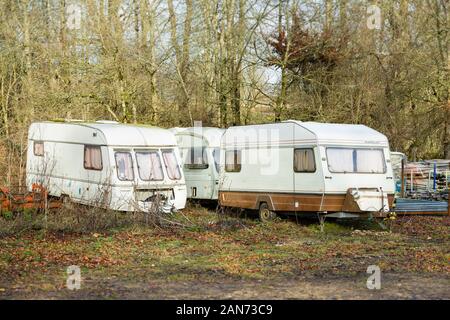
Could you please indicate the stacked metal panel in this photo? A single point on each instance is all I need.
(418, 206)
(427, 179)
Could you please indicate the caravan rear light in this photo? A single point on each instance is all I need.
(355, 194)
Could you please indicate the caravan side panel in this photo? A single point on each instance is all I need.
(62, 171)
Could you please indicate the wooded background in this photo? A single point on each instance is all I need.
(227, 62)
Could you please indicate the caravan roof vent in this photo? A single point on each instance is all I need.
(107, 121)
(65, 120)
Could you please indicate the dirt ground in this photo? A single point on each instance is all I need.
(216, 258)
(394, 286)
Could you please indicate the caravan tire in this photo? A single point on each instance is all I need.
(265, 214)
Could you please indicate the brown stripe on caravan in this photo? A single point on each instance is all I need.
(288, 201)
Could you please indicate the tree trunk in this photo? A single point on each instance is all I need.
(185, 59)
(446, 140)
(237, 50)
(236, 100)
(27, 57)
(280, 101)
(446, 143)
(181, 57)
(343, 15)
(328, 14)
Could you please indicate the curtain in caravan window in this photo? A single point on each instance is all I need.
(196, 158)
(38, 148)
(340, 159)
(233, 161)
(173, 170)
(93, 158)
(149, 166)
(124, 165)
(229, 161)
(356, 160)
(304, 160)
(370, 160)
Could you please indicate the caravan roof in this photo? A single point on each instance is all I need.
(114, 134)
(298, 132)
(333, 132)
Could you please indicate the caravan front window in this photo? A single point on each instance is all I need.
(149, 166)
(355, 160)
(173, 171)
(124, 165)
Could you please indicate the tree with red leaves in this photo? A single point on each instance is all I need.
(301, 52)
(308, 50)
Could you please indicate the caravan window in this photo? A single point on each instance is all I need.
(370, 160)
(356, 160)
(149, 166)
(93, 158)
(124, 165)
(216, 157)
(38, 149)
(304, 160)
(196, 158)
(233, 161)
(173, 170)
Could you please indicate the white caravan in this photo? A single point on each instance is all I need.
(200, 154)
(107, 164)
(340, 170)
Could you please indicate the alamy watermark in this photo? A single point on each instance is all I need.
(374, 18)
(73, 281)
(259, 147)
(73, 16)
(374, 280)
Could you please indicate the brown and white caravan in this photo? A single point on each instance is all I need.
(341, 170)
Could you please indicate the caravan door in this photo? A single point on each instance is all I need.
(198, 170)
(198, 166)
(308, 179)
(215, 159)
(307, 171)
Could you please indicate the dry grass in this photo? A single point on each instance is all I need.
(215, 247)
(80, 219)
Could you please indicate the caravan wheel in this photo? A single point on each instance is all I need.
(66, 202)
(265, 214)
(65, 199)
